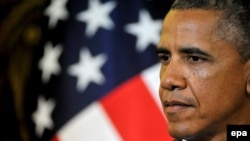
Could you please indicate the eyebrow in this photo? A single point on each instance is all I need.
(193, 50)
(184, 50)
(162, 50)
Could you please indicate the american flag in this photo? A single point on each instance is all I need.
(95, 73)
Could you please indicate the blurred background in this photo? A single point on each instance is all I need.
(80, 70)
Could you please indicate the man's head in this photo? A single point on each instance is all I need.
(205, 73)
(234, 23)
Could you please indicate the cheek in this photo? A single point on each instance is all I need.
(162, 70)
(216, 92)
(161, 93)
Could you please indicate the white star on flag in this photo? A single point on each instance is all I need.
(42, 116)
(88, 69)
(56, 11)
(146, 30)
(97, 16)
(49, 64)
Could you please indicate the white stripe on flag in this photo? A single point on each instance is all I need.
(92, 124)
(151, 79)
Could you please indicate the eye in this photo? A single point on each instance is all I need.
(164, 58)
(195, 58)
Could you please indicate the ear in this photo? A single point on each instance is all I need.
(247, 71)
(248, 85)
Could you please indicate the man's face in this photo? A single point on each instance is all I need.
(203, 81)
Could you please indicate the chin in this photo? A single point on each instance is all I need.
(180, 131)
(178, 135)
(187, 132)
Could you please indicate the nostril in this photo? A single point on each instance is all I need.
(174, 88)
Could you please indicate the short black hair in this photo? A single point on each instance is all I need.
(234, 23)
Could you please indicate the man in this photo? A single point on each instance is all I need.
(205, 74)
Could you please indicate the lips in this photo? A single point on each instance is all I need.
(175, 103)
(176, 106)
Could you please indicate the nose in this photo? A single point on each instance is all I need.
(172, 76)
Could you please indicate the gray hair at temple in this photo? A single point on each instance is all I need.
(234, 23)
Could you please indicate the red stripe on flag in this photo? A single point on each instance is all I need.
(55, 139)
(135, 114)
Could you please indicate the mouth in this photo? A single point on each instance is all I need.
(176, 106)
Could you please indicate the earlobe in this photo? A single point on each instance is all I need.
(247, 70)
(248, 85)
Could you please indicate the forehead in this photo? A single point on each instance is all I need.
(195, 16)
(191, 24)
